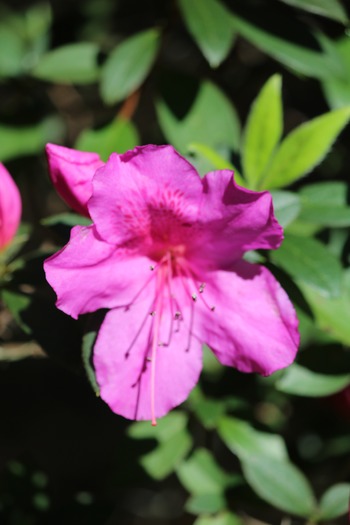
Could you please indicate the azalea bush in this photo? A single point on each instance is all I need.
(174, 262)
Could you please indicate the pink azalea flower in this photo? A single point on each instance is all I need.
(10, 207)
(164, 256)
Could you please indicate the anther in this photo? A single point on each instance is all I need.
(194, 297)
(212, 308)
(153, 313)
(148, 358)
(177, 315)
(201, 288)
(152, 267)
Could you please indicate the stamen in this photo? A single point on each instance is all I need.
(201, 288)
(194, 297)
(153, 313)
(177, 315)
(155, 340)
(136, 336)
(152, 267)
(212, 308)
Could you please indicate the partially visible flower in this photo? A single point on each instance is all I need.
(10, 207)
(164, 255)
(71, 172)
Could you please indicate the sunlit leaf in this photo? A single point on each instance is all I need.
(263, 131)
(300, 381)
(128, 65)
(214, 160)
(209, 23)
(304, 148)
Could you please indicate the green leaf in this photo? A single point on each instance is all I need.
(206, 503)
(304, 148)
(172, 423)
(128, 65)
(209, 411)
(224, 518)
(19, 141)
(326, 193)
(301, 59)
(280, 483)
(88, 343)
(337, 89)
(243, 440)
(211, 111)
(11, 52)
(263, 131)
(328, 8)
(200, 474)
(329, 216)
(309, 261)
(14, 247)
(209, 23)
(286, 206)
(166, 457)
(334, 502)
(214, 161)
(66, 219)
(72, 63)
(17, 302)
(300, 381)
(324, 204)
(120, 135)
(332, 314)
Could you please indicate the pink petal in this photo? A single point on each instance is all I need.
(71, 172)
(254, 326)
(144, 189)
(88, 274)
(234, 220)
(10, 207)
(123, 372)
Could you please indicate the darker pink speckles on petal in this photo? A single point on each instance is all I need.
(164, 255)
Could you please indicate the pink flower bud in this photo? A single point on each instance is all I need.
(10, 207)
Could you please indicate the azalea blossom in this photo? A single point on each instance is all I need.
(10, 207)
(164, 255)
